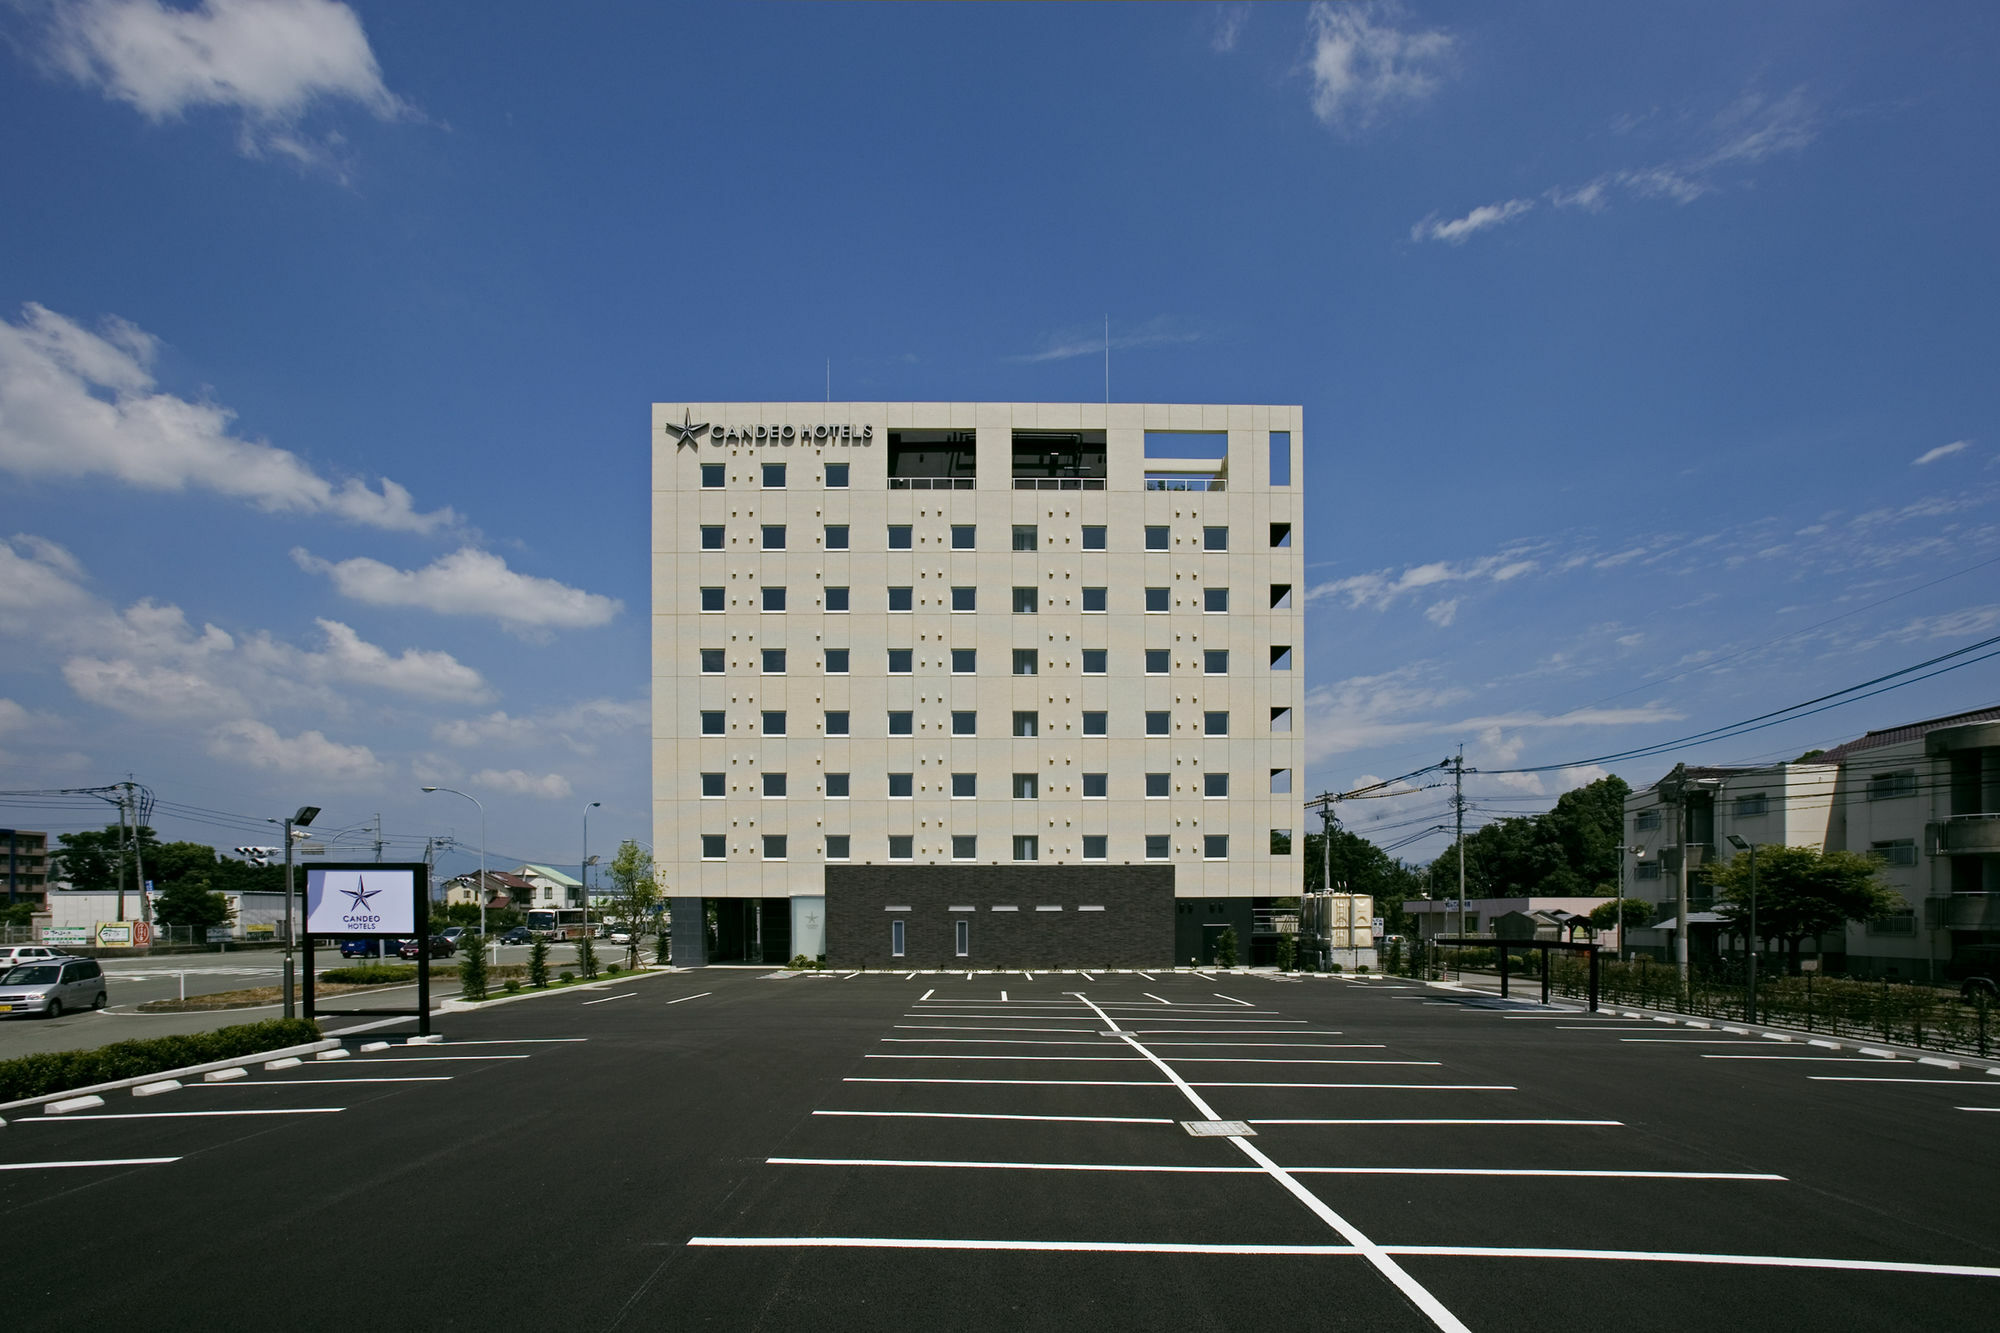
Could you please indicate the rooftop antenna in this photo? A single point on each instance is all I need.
(1107, 360)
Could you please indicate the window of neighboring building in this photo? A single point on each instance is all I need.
(1158, 661)
(896, 938)
(1157, 601)
(964, 722)
(901, 661)
(1156, 847)
(714, 846)
(711, 662)
(711, 722)
(836, 599)
(902, 599)
(774, 598)
(711, 786)
(1215, 601)
(963, 536)
(1096, 786)
(711, 476)
(836, 536)
(1646, 870)
(1093, 537)
(1095, 600)
(902, 847)
(711, 599)
(1156, 537)
(836, 476)
(1159, 786)
(1027, 847)
(1026, 723)
(1094, 846)
(901, 724)
(1094, 661)
(1025, 787)
(899, 536)
(1215, 723)
(1887, 786)
(836, 722)
(1026, 661)
(1024, 537)
(902, 786)
(1215, 539)
(1215, 661)
(964, 847)
(1894, 923)
(1024, 601)
(774, 785)
(774, 722)
(774, 476)
(774, 536)
(1096, 724)
(1215, 786)
(964, 786)
(836, 786)
(774, 661)
(1645, 819)
(836, 661)
(1745, 807)
(837, 843)
(965, 599)
(1159, 723)
(1215, 846)
(711, 536)
(1896, 852)
(964, 661)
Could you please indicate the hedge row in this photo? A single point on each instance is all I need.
(59, 1071)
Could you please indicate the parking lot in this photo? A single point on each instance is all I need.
(723, 1148)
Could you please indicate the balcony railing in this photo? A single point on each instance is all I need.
(1187, 484)
(1965, 835)
(931, 484)
(1058, 483)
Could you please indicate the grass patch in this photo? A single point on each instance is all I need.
(59, 1071)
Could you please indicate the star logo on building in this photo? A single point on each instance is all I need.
(360, 893)
(685, 433)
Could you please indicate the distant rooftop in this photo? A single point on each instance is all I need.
(1909, 731)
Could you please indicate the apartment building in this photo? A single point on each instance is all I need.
(975, 684)
(24, 868)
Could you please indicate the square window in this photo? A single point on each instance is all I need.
(899, 536)
(965, 599)
(1281, 458)
(1281, 781)
(1026, 724)
(836, 599)
(902, 599)
(774, 598)
(1093, 536)
(711, 476)
(1215, 786)
(1024, 787)
(836, 786)
(896, 929)
(1156, 846)
(836, 661)
(901, 847)
(1156, 601)
(900, 724)
(711, 536)
(1096, 724)
(1281, 657)
(1159, 723)
(1215, 723)
(1156, 537)
(836, 536)
(962, 536)
(1096, 786)
(713, 846)
(1281, 596)
(965, 723)
(836, 476)
(1281, 719)
(902, 786)
(774, 476)
(1215, 601)
(774, 536)
(1158, 661)
(774, 784)
(1095, 599)
(1158, 786)
(1094, 845)
(711, 599)
(964, 847)
(1024, 601)
(711, 661)
(1025, 661)
(1027, 847)
(711, 723)
(774, 846)
(711, 785)
(836, 722)
(1095, 661)
(837, 843)
(1215, 846)
(774, 722)
(774, 661)
(1281, 534)
(1215, 661)
(1215, 539)
(900, 661)
(964, 661)
(964, 786)
(1281, 842)
(1024, 537)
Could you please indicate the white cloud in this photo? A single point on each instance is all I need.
(1160, 331)
(1381, 589)
(1942, 451)
(79, 404)
(1400, 708)
(347, 657)
(515, 782)
(1442, 613)
(1457, 231)
(39, 582)
(149, 691)
(258, 745)
(579, 727)
(270, 61)
(1229, 21)
(467, 582)
(1362, 63)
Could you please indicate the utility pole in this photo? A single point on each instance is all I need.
(139, 864)
(288, 919)
(121, 853)
(1458, 811)
(378, 837)
(1675, 787)
(1326, 867)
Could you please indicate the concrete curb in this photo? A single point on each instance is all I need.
(327, 1043)
(477, 1006)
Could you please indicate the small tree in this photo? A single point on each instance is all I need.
(1225, 947)
(586, 957)
(635, 894)
(1288, 951)
(662, 948)
(190, 902)
(538, 963)
(1801, 892)
(1636, 914)
(472, 967)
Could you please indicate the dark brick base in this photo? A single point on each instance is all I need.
(1135, 929)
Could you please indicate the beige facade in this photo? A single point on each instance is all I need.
(970, 534)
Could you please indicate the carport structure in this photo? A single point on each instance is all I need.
(1545, 946)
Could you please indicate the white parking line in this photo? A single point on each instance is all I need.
(1003, 997)
(1150, 977)
(1937, 1082)
(1127, 1059)
(1147, 1168)
(182, 1115)
(1088, 977)
(419, 1059)
(1825, 1059)
(512, 1041)
(102, 1161)
(1151, 1015)
(1439, 1120)
(1281, 1045)
(988, 1115)
(296, 1082)
(1149, 995)
(1693, 1041)
(622, 995)
(1051, 1246)
(975, 1027)
(990, 1041)
(1232, 999)
(685, 998)
(1273, 1060)
(927, 994)
(1670, 1257)
(1025, 1082)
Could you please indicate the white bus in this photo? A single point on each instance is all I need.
(560, 923)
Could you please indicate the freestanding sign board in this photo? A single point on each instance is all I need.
(371, 900)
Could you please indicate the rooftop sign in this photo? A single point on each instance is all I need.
(688, 432)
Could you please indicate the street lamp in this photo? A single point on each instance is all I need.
(482, 852)
(1638, 854)
(301, 818)
(583, 869)
(1750, 962)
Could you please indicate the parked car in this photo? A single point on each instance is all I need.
(518, 935)
(364, 948)
(456, 934)
(49, 988)
(621, 934)
(26, 953)
(440, 948)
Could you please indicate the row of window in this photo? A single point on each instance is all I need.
(965, 786)
(965, 722)
(965, 847)
(965, 661)
(965, 536)
(1026, 601)
(834, 476)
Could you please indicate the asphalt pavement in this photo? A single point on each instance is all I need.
(725, 1148)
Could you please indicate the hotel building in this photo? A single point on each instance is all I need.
(975, 684)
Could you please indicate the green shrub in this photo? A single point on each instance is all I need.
(1288, 952)
(59, 1071)
(567, 976)
(472, 971)
(586, 957)
(662, 947)
(1394, 964)
(512, 985)
(1361, 967)
(612, 969)
(1225, 948)
(538, 962)
(372, 974)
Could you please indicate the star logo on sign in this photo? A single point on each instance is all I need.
(685, 433)
(360, 893)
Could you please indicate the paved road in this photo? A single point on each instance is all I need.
(716, 1148)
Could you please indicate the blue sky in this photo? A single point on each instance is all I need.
(1647, 357)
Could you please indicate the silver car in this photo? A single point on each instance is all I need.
(10, 954)
(51, 987)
